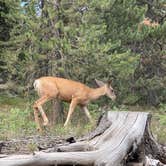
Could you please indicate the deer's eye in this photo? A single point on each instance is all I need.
(112, 90)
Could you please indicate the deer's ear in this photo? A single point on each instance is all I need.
(99, 83)
(109, 82)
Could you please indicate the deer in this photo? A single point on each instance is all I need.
(73, 92)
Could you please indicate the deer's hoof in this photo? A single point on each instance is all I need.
(39, 130)
(65, 125)
(45, 123)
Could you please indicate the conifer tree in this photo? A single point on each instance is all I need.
(9, 15)
(85, 40)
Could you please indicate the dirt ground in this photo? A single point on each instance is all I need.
(30, 144)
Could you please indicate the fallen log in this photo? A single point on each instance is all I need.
(119, 139)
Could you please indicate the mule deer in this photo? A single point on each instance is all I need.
(75, 93)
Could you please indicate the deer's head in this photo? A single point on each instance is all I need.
(108, 88)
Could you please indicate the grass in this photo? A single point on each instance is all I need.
(6, 101)
(159, 124)
(17, 120)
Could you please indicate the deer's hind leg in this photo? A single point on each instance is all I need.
(38, 108)
(87, 113)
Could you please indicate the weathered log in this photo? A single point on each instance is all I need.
(120, 143)
(153, 162)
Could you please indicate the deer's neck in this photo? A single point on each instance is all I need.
(96, 93)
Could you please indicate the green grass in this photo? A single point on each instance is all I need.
(11, 101)
(15, 122)
(17, 119)
(158, 124)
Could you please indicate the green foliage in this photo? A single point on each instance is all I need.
(82, 40)
(12, 101)
(86, 40)
(125, 61)
(32, 147)
(159, 123)
(19, 121)
(16, 122)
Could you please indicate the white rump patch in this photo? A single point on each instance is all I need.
(36, 85)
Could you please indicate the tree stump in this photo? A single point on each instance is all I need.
(121, 138)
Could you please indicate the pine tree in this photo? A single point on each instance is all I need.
(85, 40)
(150, 73)
(9, 19)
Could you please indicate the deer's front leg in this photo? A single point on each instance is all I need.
(71, 110)
(36, 115)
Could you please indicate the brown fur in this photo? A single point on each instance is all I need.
(67, 90)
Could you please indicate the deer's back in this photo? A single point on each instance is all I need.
(59, 87)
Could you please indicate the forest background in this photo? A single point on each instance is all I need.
(82, 40)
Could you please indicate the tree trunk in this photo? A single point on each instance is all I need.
(119, 139)
(57, 114)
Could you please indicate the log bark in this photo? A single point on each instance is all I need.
(118, 140)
